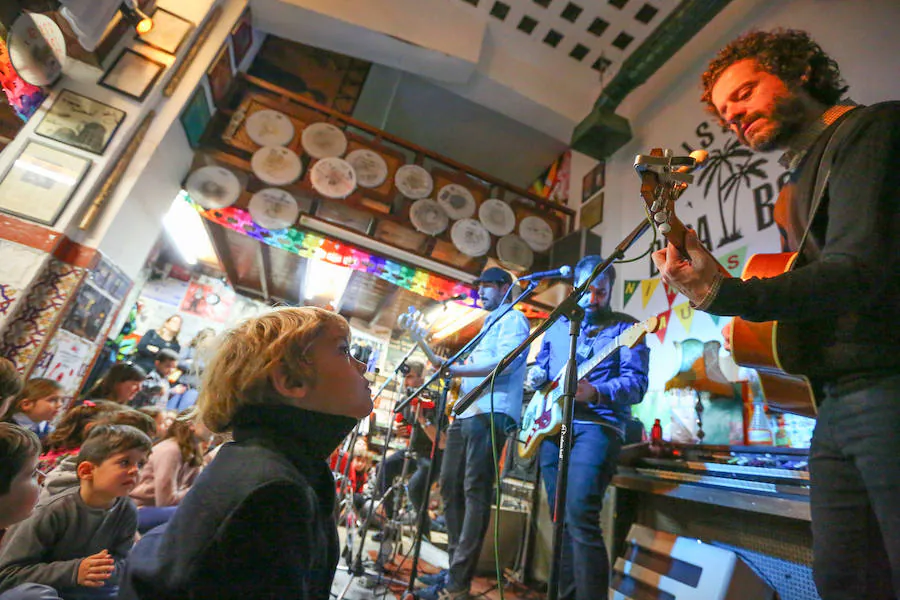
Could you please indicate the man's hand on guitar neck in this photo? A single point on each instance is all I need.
(698, 279)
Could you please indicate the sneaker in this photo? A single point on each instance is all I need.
(436, 578)
(439, 592)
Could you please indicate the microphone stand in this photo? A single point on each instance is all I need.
(439, 426)
(568, 308)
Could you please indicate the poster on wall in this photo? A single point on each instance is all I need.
(89, 313)
(166, 290)
(66, 360)
(207, 301)
(594, 181)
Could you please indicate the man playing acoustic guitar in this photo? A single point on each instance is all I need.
(779, 90)
(602, 408)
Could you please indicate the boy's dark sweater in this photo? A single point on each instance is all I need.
(258, 522)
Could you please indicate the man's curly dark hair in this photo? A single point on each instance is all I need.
(790, 54)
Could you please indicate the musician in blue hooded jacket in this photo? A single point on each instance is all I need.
(602, 408)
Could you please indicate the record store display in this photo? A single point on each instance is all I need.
(456, 201)
(213, 187)
(470, 237)
(273, 208)
(428, 217)
(323, 140)
(276, 165)
(371, 170)
(514, 253)
(270, 128)
(497, 217)
(333, 177)
(537, 233)
(414, 182)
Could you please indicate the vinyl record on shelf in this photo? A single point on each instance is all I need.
(456, 201)
(270, 128)
(273, 209)
(323, 140)
(371, 170)
(470, 237)
(413, 181)
(537, 233)
(276, 165)
(333, 177)
(213, 187)
(497, 217)
(514, 253)
(428, 217)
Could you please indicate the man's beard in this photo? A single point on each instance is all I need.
(789, 116)
(597, 314)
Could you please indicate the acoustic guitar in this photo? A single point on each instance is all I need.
(543, 415)
(779, 352)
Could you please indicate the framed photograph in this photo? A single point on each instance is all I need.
(169, 31)
(592, 212)
(133, 74)
(40, 182)
(242, 37)
(81, 122)
(594, 181)
(196, 116)
(88, 314)
(220, 76)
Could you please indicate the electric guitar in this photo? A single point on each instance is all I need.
(780, 352)
(543, 415)
(414, 323)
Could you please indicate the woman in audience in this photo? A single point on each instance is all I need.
(174, 464)
(155, 340)
(35, 406)
(120, 384)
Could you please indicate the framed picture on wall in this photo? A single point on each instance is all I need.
(196, 116)
(81, 122)
(220, 76)
(592, 212)
(40, 182)
(133, 74)
(594, 181)
(169, 31)
(242, 37)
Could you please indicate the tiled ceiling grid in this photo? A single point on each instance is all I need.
(596, 35)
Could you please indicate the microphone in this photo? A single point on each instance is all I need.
(564, 272)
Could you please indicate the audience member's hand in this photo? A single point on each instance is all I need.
(95, 569)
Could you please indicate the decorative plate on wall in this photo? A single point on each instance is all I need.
(497, 217)
(323, 140)
(514, 253)
(371, 170)
(470, 237)
(273, 208)
(213, 187)
(333, 177)
(428, 217)
(414, 182)
(456, 201)
(270, 128)
(537, 233)
(276, 165)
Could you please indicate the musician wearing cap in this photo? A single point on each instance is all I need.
(467, 473)
(602, 408)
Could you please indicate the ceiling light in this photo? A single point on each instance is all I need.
(185, 226)
(456, 317)
(135, 17)
(325, 280)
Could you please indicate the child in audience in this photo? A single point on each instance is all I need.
(259, 520)
(155, 389)
(19, 451)
(10, 384)
(36, 406)
(163, 419)
(173, 466)
(71, 430)
(77, 542)
(119, 384)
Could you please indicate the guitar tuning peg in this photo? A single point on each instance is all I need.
(664, 229)
(661, 217)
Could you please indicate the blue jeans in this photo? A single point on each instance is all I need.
(154, 516)
(584, 564)
(467, 487)
(854, 471)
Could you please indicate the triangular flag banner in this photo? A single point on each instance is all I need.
(648, 286)
(663, 325)
(630, 289)
(715, 318)
(685, 315)
(671, 292)
(734, 261)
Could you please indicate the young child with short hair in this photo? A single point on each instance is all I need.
(78, 541)
(259, 520)
(36, 406)
(10, 384)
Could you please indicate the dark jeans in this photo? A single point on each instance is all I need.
(854, 471)
(584, 564)
(153, 516)
(467, 487)
(417, 483)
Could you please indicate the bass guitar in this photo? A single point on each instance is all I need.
(543, 415)
(779, 352)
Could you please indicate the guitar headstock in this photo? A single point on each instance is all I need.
(413, 322)
(634, 334)
(663, 179)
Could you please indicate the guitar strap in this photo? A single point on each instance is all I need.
(824, 171)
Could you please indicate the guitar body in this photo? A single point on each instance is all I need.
(775, 350)
(542, 418)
